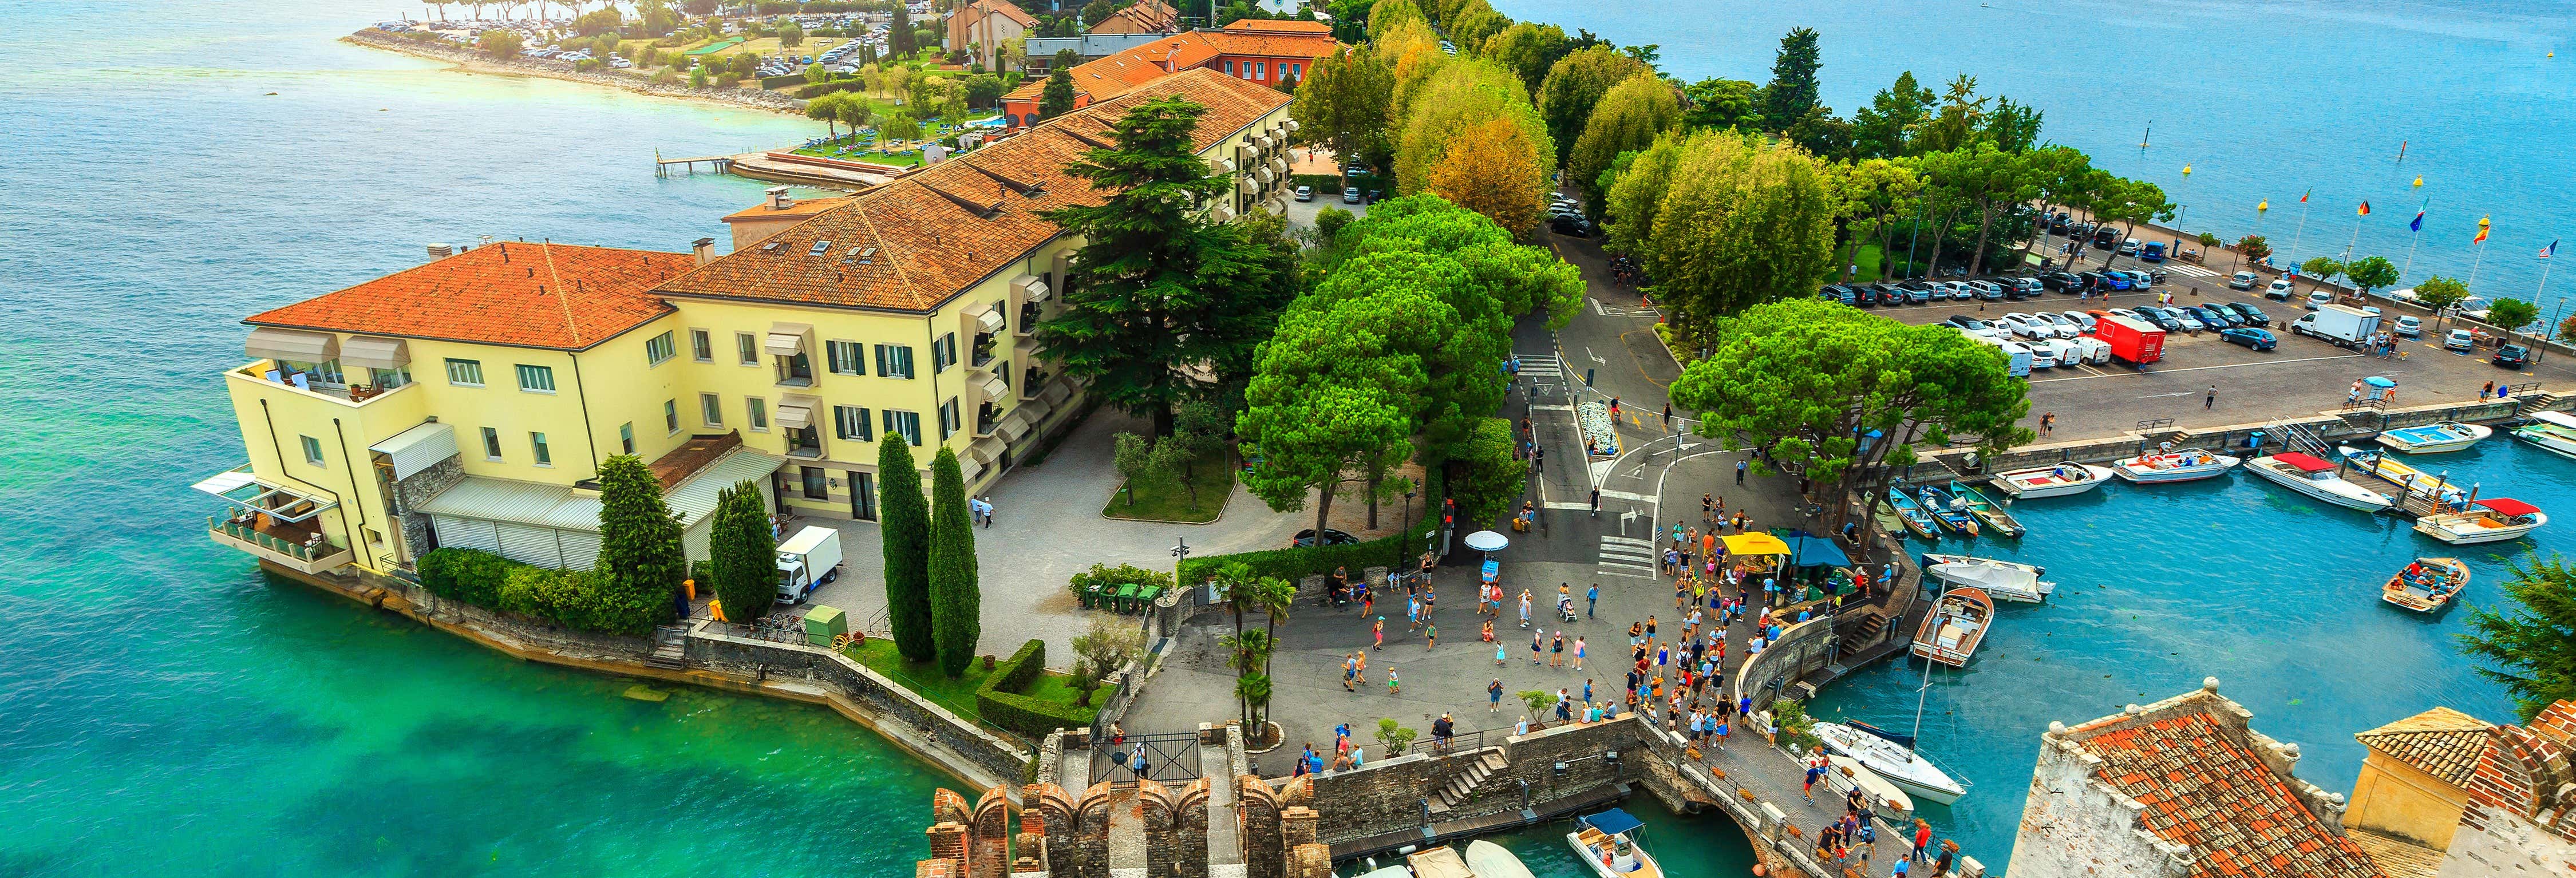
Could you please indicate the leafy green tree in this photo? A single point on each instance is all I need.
(2058, 176)
(791, 35)
(1465, 95)
(1793, 92)
(1475, 23)
(1316, 431)
(1874, 191)
(1493, 169)
(827, 109)
(1489, 476)
(641, 560)
(1810, 380)
(903, 529)
(1631, 203)
(742, 552)
(1056, 99)
(1527, 49)
(2324, 269)
(983, 89)
(2253, 248)
(698, 76)
(2511, 315)
(1385, 15)
(1628, 118)
(2371, 273)
(1888, 126)
(1395, 737)
(1343, 104)
(1959, 118)
(1744, 222)
(1573, 86)
(1232, 336)
(956, 590)
(900, 126)
(816, 75)
(899, 34)
(1723, 103)
(502, 44)
(2012, 127)
(2527, 640)
(1986, 179)
(2128, 202)
(2440, 293)
(853, 111)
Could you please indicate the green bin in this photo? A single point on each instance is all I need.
(1127, 597)
(822, 624)
(1091, 596)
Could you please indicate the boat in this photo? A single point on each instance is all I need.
(2494, 519)
(2414, 480)
(1885, 798)
(1916, 520)
(2554, 432)
(2436, 437)
(1608, 842)
(1949, 511)
(1490, 860)
(2316, 478)
(1950, 632)
(2426, 585)
(2060, 480)
(1438, 862)
(2003, 580)
(2186, 465)
(1988, 511)
(1397, 871)
(1905, 741)
(1901, 766)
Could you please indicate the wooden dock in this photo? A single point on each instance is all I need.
(716, 164)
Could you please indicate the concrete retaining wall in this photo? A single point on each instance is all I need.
(867, 697)
(1389, 794)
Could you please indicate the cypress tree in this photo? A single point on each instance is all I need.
(742, 553)
(641, 560)
(956, 599)
(903, 521)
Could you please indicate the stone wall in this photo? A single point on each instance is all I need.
(1803, 648)
(2493, 842)
(2334, 426)
(2074, 824)
(416, 489)
(1389, 794)
(893, 710)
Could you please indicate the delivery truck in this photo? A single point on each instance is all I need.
(2344, 325)
(2016, 357)
(808, 559)
(2131, 341)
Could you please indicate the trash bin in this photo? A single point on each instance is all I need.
(1127, 598)
(1091, 596)
(822, 624)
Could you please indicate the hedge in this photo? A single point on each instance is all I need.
(998, 698)
(1297, 563)
(467, 575)
(1323, 183)
(571, 598)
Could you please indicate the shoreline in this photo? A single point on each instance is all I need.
(468, 61)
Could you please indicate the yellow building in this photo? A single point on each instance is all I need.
(469, 401)
(2415, 774)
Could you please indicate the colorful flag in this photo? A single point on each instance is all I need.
(2365, 208)
(2551, 250)
(2418, 224)
(2303, 196)
(2482, 232)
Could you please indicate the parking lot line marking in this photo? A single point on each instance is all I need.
(2200, 368)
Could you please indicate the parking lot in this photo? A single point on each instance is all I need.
(2300, 376)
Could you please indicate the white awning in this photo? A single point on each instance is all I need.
(1056, 393)
(240, 488)
(1034, 289)
(797, 412)
(787, 339)
(995, 388)
(990, 319)
(418, 448)
(1013, 425)
(1223, 166)
(375, 352)
(1261, 140)
(967, 467)
(1034, 411)
(271, 343)
(1250, 186)
(1221, 213)
(1279, 165)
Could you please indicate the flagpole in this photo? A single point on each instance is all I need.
(2411, 238)
(2296, 235)
(2480, 259)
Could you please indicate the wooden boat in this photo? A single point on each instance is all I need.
(1608, 843)
(1952, 515)
(2554, 432)
(2308, 475)
(1893, 762)
(2186, 465)
(2435, 438)
(1951, 631)
(2060, 480)
(2002, 580)
(1886, 799)
(2494, 519)
(1996, 520)
(1916, 520)
(1490, 860)
(2426, 585)
(2414, 480)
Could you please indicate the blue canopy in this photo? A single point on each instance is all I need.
(1809, 550)
(1613, 822)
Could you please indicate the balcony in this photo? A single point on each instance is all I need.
(982, 355)
(293, 545)
(1029, 316)
(305, 383)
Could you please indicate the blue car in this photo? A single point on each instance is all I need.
(2154, 252)
(2257, 339)
(2115, 280)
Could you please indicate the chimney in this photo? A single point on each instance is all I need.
(778, 198)
(441, 251)
(705, 248)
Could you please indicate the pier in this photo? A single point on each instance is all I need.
(716, 164)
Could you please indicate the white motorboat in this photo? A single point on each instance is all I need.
(2494, 519)
(2435, 437)
(1608, 843)
(1885, 798)
(1892, 761)
(2186, 465)
(1439, 862)
(2308, 475)
(2554, 432)
(2059, 480)
(1490, 860)
(2003, 580)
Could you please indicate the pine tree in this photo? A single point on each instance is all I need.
(904, 523)
(1057, 98)
(899, 35)
(742, 552)
(956, 598)
(641, 560)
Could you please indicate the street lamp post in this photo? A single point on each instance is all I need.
(1408, 527)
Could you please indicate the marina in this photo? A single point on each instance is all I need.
(1951, 632)
(2436, 437)
(2318, 479)
(2186, 465)
(1992, 514)
(2003, 580)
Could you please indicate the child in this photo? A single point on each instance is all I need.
(1393, 686)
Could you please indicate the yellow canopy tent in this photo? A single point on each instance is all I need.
(1755, 544)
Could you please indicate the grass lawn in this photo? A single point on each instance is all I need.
(1163, 499)
(1869, 262)
(958, 694)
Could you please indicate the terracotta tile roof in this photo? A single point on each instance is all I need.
(528, 295)
(2444, 743)
(1145, 17)
(802, 208)
(1280, 26)
(680, 463)
(2396, 856)
(1272, 44)
(1003, 8)
(911, 244)
(1123, 72)
(2203, 789)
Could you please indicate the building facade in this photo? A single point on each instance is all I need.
(1267, 53)
(470, 401)
(982, 27)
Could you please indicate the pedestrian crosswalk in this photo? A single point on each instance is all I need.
(1625, 556)
(1541, 368)
(2191, 270)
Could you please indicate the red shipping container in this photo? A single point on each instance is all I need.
(2131, 340)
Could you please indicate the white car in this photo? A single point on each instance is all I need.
(1988, 336)
(2409, 326)
(2189, 322)
(2027, 326)
(2280, 289)
(1950, 289)
(2066, 328)
(2319, 297)
(1983, 289)
(2093, 350)
(2048, 354)
(2081, 319)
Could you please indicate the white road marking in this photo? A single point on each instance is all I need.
(1624, 495)
(2201, 368)
(1551, 408)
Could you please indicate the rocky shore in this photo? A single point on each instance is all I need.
(470, 60)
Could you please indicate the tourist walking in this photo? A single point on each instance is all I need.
(1494, 695)
(1499, 652)
(1556, 651)
(1591, 600)
(2211, 400)
(1430, 637)
(1922, 840)
(1578, 652)
(1538, 644)
(1739, 472)
(1378, 631)
(1393, 686)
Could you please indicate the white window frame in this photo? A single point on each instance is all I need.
(895, 422)
(845, 415)
(312, 450)
(523, 370)
(854, 364)
(671, 416)
(746, 349)
(543, 455)
(626, 437)
(702, 345)
(755, 413)
(711, 409)
(660, 349)
(492, 444)
(473, 366)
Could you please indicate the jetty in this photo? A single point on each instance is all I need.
(716, 164)
(782, 166)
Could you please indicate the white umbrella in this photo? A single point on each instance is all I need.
(1487, 541)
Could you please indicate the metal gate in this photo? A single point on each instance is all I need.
(1170, 758)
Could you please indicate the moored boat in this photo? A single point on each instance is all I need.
(1608, 843)
(2426, 585)
(2415, 481)
(2058, 480)
(1490, 860)
(2004, 580)
(1439, 862)
(1885, 798)
(2186, 465)
(1949, 511)
(1897, 764)
(1951, 631)
(2554, 432)
(2316, 478)
(1991, 513)
(2435, 438)
(1916, 520)
(2494, 519)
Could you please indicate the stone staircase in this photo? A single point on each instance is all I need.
(1462, 785)
(670, 648)
(2539, 402)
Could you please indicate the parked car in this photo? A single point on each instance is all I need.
(1305, 193)
(2512, 356)
(2408, 326)
(2046, 354)
(2066, 328)
(2190, 322)
(2160, 319)
(2029, 327)
(2057, 223)
(2459, 340)
(2105, 237)
(1835, 293)
(2216, 317)
(2152, 251)
(2319, 297)
(1571, 226)
(1306, 538)
(2280, 289)
(2061, 281)
(1963, 321)
(1984, 289)
(2248, 314)
(1865, 296)
(2084, 319)
(2113, 280)
(1926, 290)
(2243, 280)
(1350, 195)
(1893, 293)
(2257, 339)
(2094, 350)
(2138, 280)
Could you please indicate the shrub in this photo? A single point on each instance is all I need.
(468, 575)
(1796, 728)
(1112, 577)
(998, 698)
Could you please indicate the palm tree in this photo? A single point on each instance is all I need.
(1274, 595)
(1248, 652)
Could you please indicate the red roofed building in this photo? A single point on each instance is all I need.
(1265, 52)
(984, 26)
(2521, 813)
(1144, 17)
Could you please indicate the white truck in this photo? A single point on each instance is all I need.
(2343, 325)
(2016, 357)
(808, 559)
